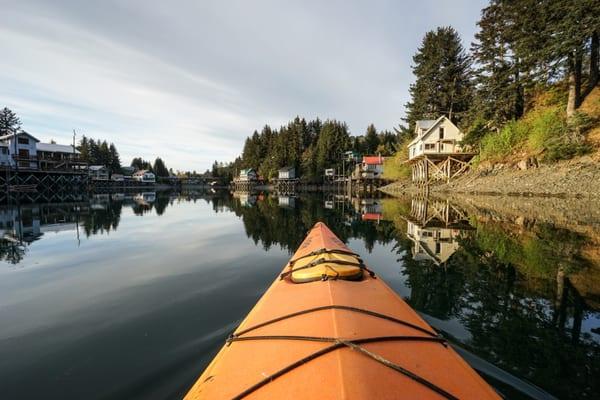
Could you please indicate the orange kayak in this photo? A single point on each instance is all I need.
(329, 328)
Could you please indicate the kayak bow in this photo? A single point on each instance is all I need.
(327, 328)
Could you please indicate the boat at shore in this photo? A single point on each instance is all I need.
(329, 328)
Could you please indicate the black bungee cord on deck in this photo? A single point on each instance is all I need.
(338, 343)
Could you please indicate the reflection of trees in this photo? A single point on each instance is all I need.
(11, 252)
(161, 203)
(503, 288)
(102, 219)
(268, 223)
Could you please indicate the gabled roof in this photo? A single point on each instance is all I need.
(96, 167)
(430, 129)
(425, 123)
(247, 171)
(142, 172)
(20, 133)
(286, 169)
(373, 160)
(56, 148)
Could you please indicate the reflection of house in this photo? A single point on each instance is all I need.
(117, 178)
(286, 201)
(145, 198)
(246, 199)
(433, 244)
(98, 172)
(20, 224)
(438, 136)
(371, 217)
(369, 209)
(144, 176)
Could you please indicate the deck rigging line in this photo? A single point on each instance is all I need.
(352, 344)
(336, 307)
(338, 343)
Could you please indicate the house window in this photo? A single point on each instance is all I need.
(23, 140)
(441, 133)
(429, 146)
(4, 150)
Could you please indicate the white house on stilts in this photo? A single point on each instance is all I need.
(436, 152)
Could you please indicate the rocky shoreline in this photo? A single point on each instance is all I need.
(579, 178)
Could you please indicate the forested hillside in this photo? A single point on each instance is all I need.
(309, 146)
(518, 91)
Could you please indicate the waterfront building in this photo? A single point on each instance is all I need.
(287, 173)
(98, 172)
(117, 178)
(144, 175)
(248, 174)
(58, 156)
(436, 153)
(371, 167)
(438, 136)
(24, 151)
(21, 149)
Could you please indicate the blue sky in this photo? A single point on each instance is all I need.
(189, 80)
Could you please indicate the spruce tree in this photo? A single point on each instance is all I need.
(499, 75)
(443, 85)
(371, 140)
(160, 168)
(9, 122)
(114, 159)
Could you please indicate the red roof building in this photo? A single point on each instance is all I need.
(372, 160)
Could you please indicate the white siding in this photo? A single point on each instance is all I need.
(432, 143)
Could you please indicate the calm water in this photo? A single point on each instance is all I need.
(130, 296)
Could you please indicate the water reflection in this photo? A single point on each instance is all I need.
(521, 294)
(435, 228)
(513, 291)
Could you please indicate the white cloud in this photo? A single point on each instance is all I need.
(188, 80)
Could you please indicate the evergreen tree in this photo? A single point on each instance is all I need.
(104, 154)
(333, 141)
(9, 122)
(371, 140)
(115, 160)
(443, 85)
(140, 164)
(551, 39)
(94, 152)
(84, 149)
(499, 75)
(160, 168)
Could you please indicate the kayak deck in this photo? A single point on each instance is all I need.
(336, 339)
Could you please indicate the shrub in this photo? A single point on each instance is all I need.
(563, 148)
(396, 167)
(501, 144)
(476, 132)
(546, 125)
